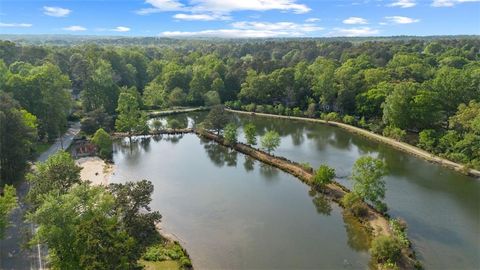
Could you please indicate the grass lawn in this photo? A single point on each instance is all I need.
(165, 265)
(41, 147)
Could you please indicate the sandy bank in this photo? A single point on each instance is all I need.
(95, 170)
(396, 144)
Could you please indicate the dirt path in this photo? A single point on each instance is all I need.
(398, 145)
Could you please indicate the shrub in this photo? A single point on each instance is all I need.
(323, 176)
(250, 133)
(157, 125)
(269, 109)
(394, 133)
(297, 112)
(386, 249)
(230, 134)
(362, 123)
(332, 116)
(174, 124)
(427, 139)
(260, 108)
(250, 107)
(288, 111)
(279, 109)
(270, 141)
(354, 204)
(348, 119)
(311, 110)
(104, 143)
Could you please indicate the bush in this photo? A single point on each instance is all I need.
(348, 119)
(362, 123)
(288, 111)
(332, 116)
(427, 139)
(394, 133)
(230, 134)
(104, 143)
(323, 176)
(354, 204)
(174, 124)
(386, 249)
(297, 112)
(250, 107)
(311, 110)
(279, 109)
(260, 108)
(168, 251)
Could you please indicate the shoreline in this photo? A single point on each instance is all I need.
(405, 147)
(95, 170)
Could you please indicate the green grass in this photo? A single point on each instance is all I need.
(164, 265)
(41, 147)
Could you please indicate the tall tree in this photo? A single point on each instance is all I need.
(56, 175)
(130, 118)
(367, 175)
(17, 133)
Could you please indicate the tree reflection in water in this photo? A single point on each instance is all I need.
(249, 163)
(322, 204)
(219, 154)
(358, 237)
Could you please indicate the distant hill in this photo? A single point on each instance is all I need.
(145, 41)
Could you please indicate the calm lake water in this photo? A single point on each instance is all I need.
(441, 207)
(231, 212)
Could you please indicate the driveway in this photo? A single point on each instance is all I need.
(12, 255)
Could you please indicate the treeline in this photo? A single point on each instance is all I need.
(410, 90)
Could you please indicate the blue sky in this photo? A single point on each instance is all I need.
(241, 18)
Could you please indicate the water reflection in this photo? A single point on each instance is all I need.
(219, 154)
(249, 163)
(358, 237)
(322, 204)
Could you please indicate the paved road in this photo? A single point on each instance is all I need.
(12, 255)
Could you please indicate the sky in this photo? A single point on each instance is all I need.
(241, 18)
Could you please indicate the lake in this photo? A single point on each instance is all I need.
(441, 207)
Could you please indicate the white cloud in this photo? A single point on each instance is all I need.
(227, 6)
(312, 20)
(120, 29)
(354, 32)
(74, 28)
(401, 20)
(355, 20)
(161, 6)
(403, 3)
(223, 6)
(16, 25)
(252, 30)
(450, 3)
(279, 26)
(201, 17)
(56, 11)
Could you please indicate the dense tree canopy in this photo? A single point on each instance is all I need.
(399, 83)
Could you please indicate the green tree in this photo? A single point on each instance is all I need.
(217, 118)
(173, 123)
(104, 143)
(250, 133)
(56, 175)
(367, 175)
(323, 176)
(177, 97)
(132, 201)
(130, 118)
(82, 230)
(8, 202)
(17, 134)
(270, 140)
(230, 134)
(427, 139)
(386, 249)
(101, 91)
(43, 91)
